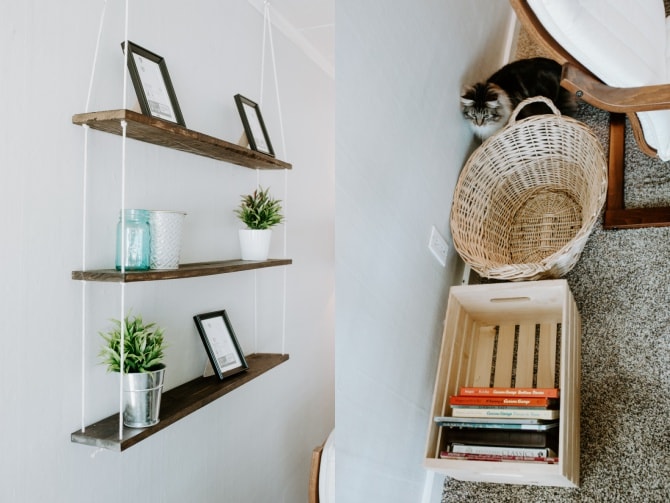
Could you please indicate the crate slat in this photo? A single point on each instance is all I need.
(546, 356)
(525, 353)
(504, 356)
(485, 341)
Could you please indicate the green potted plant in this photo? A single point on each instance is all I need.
(143, 368)
(259, 211)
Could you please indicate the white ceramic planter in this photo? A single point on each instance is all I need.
(255, 243)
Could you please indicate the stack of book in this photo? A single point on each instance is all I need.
(502, 424)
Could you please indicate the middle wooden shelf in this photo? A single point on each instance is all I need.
(193, 270)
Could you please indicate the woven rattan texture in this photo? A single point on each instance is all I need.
(528, 197)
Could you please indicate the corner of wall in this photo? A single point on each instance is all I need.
(511, 38)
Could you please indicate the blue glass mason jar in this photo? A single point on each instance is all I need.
(137, 241)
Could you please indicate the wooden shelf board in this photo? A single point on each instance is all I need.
(175, 405)
(167, 134)
(185, 271)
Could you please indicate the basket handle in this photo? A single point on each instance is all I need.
(528, 101)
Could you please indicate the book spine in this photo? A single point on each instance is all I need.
(491, 457)
(530, 452)
(513, 407)
(505, 412)
(521, 392)
(496, 400)
(490, 426)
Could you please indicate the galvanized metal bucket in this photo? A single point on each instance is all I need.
(142, 398)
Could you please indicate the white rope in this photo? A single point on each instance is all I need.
(95, 55)
(283, 324)
(255, 311)
(258, 181)
(274, 68)
(125, 59)
(83, 283)
(124, 127)
(122, 355)
(84, 221)
(268, 23)
(266, 17)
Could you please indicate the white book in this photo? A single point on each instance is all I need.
(505, 412)
(529, 452)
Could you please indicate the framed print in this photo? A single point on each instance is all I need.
(152, 84)
(254, 127)
(221, 344)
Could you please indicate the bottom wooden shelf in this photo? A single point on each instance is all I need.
(175, 404)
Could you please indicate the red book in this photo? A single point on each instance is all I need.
(510, 392)
(493, 457)
(513, 401)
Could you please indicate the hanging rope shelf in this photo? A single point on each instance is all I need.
(167, 134)
(178, 402)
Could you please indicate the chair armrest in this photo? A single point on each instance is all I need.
(614, 99)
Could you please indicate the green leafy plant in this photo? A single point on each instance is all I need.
(143, 346)
(259, 210)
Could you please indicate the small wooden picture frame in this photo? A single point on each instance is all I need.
(254, 127)
(219, 339)
(152, 84)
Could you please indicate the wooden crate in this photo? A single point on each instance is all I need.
(525, 334)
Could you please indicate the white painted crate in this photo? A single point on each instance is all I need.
(483, 326)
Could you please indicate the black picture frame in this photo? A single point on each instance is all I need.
(221, 344)
(152, 84)
(254, 126)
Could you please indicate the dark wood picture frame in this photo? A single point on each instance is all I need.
(152, 84)
(221, 344)
(254, 126)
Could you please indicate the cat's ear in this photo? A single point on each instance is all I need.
(468, 96)
(493, 93)
(467, 91)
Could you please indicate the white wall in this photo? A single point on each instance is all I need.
(253, 444)
(400, 143)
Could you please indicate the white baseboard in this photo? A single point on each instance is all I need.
(433, 487)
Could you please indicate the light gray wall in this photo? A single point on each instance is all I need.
(400, 143)
(252, 445)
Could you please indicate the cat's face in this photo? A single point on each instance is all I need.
(486, 107)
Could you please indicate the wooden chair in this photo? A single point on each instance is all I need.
(322, 472)
(313, 492)
(621, 103)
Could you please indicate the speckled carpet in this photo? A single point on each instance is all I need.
(621, 286)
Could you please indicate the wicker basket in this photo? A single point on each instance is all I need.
(528, 197)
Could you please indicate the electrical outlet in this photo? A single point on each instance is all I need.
(438, 246)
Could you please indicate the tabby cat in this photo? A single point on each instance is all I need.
(488, 105)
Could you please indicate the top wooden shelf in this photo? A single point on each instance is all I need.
(167, 134)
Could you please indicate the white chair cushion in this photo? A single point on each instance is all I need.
(622, 42)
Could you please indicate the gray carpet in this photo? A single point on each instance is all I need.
(621, 288)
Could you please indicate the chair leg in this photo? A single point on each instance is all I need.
(616, 215)
(615, 177)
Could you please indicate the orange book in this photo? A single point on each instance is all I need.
(510, 392)
(511, 401)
